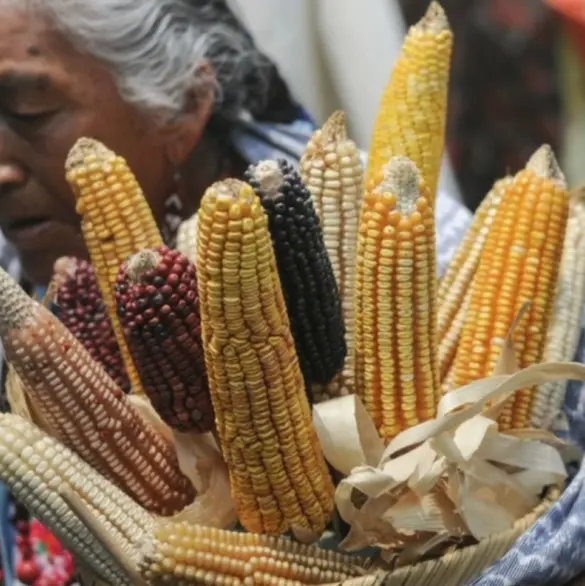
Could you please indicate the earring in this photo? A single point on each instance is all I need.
(173, 214)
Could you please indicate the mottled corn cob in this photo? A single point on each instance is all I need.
(396, 365)
(519, 263)
(411, 118)
(278, 475)
(158, 306)
(85, 407)
(79, 306)
(115, 219)
(454, 288)
(332, 170)
(565, 326)
(306, 276)
(187, 554)
(187, 238)
(37, 468)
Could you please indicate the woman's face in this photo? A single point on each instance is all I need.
(51, 95)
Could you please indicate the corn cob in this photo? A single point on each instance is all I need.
(565, 328)
(187, 238)
(85, 407)
(80, 307)
(115, 219)
(411, 118)
(396, 365)
(332, 170)
(518, 264)
(37, 468)
(183, 554)
(455, 286)
(278, 475)
(158, 306)
(306, 276)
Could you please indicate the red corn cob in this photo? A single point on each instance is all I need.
(158, 306)
(80, 307)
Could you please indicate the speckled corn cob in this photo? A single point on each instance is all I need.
(565, 327)
(115, 219)
(36, 468)
(519, 263)
(454, 288)
(396, 365)
(183, 554)
(310, 291)
(79, 306)
(187, 238)
(332, 170)
(411, 118)
(85, 407)
(158, 306)
(278, 476)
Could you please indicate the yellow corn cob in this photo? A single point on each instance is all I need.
(332, 170)
(37, 469)
(278, 476)
(85, 407)
(455, 285)
(518, 264)
(187, 238)
(411, 118)
(116, 222)
(189, 554)
(396, 366)
(565, 327)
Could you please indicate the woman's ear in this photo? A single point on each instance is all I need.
(184, 133)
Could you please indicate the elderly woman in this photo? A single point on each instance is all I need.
(177, 87)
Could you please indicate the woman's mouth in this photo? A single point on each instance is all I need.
(30, 233)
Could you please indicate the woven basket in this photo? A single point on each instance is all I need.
(459, 566)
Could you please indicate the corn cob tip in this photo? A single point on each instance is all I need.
(87, 150)
(230, 191)
(401, 178)
(15, 304)
(141, 263)
(544, 164)
(268, 176)
(434, 21)
(335, 129)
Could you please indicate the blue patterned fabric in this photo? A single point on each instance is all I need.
(553, 552)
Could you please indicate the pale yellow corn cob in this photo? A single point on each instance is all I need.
(85, 407)
(411, 118)
(187, 238)
(518, 264)
(455, 285)
(185, 554)
(38, 470)
(332, 169)
(565, 327)
(116, 222)
(396, 364)
(278, 475)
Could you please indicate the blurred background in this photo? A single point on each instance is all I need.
(518, 77)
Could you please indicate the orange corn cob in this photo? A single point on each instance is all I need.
(115, 219)
(411, 118)
(85, 408)
(396, 365)
(519, 263)
(278, 475)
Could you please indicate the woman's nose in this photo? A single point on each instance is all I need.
(11, 177)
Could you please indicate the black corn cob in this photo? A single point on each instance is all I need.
(78, 304)
(158, 306)
(306, 274)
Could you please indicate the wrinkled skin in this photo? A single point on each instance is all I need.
(51, 95)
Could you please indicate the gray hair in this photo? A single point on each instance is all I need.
(155, 50)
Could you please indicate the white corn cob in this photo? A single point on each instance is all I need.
(565, 326)
(332, 169)
(187, 237)
(40, 471)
